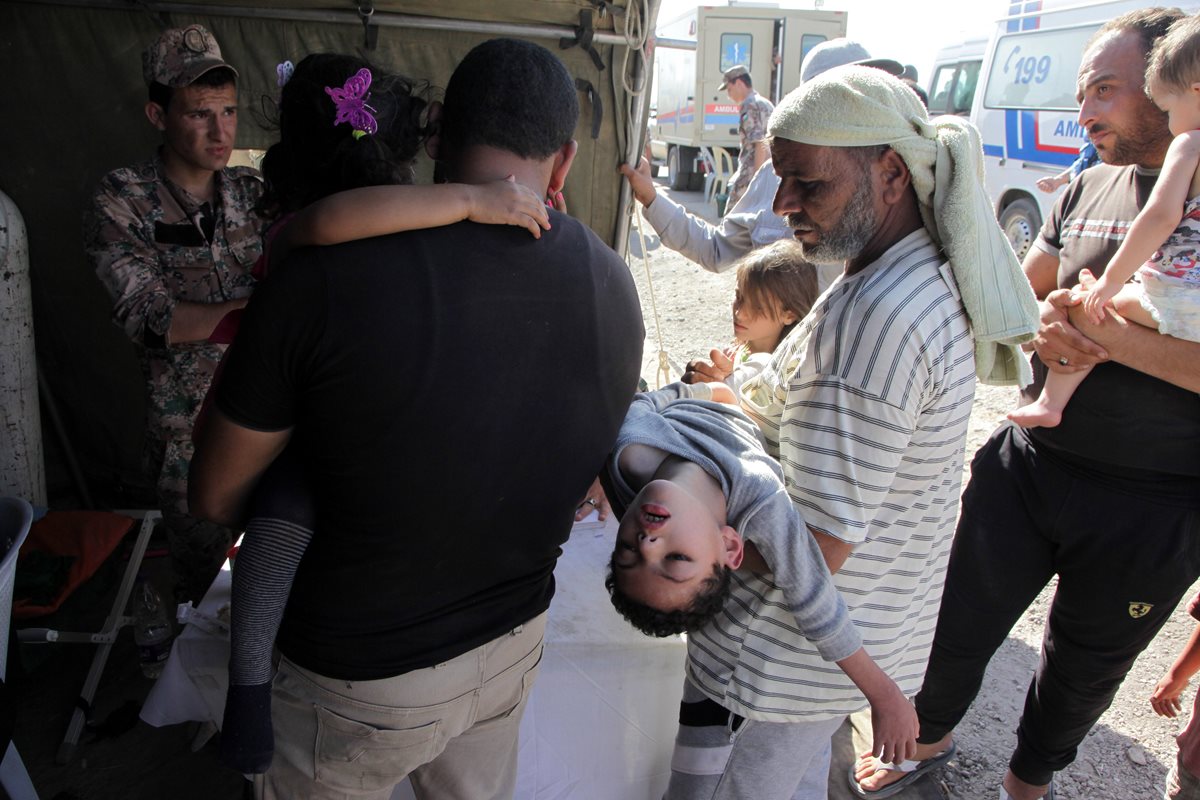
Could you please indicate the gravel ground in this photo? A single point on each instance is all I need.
(1127, 753)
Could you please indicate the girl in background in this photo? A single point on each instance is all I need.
(776, 288)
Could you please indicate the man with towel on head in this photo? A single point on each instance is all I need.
(866, 404)
(750, 223)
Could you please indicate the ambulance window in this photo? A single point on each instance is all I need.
(807, 42)
(1036, 70)
(735, 49)
(964, 88)
(939, 89)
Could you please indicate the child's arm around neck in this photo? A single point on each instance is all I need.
(379, 210)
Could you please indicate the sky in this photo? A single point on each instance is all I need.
(910, 31)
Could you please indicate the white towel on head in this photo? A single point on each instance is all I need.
(859, 107)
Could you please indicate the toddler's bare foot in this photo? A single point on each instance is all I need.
(1035, 415)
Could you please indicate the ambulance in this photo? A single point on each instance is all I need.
(1025, 106)
(955, 76)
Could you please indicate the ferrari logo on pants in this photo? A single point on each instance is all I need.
(1139, 610)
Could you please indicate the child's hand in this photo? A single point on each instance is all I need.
(894, 727)
(700, 371)
(1096, 297)
(1165, 700)
(1193, 607)
(507, 202)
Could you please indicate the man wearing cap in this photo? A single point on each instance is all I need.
(866, 404)
(173, 240)
(753, 112)
(750, 223)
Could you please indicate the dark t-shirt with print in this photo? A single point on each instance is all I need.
(1119, 421)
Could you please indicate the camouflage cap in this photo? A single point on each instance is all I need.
(180, 56)
(733, 73)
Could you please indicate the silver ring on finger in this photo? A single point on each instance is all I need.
(591, 502)
(1063, 361)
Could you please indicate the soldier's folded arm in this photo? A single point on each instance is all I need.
(127, 263)
(194, 322)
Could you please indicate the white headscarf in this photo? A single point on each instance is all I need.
(854, 106)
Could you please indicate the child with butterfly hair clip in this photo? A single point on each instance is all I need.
(1163, 243)
(341, 170)
(343, 166)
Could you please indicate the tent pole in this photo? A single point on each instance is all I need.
(636, 133)
(349, 17)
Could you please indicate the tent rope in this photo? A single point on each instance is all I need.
(663, 374)
(636, 16)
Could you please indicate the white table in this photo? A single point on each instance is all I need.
(600, 721)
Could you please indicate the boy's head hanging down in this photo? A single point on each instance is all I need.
(671, 567)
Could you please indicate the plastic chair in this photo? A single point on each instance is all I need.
(15, 518)
(103, 638)
(722, 166)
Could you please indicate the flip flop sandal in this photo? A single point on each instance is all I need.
(914, 771)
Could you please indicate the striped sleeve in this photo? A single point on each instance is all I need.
(840, 449)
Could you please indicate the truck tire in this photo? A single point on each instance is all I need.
(677, 178)
(1021, 222)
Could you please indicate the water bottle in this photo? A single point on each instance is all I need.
(151, 628)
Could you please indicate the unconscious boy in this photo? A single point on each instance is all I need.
(699, 499)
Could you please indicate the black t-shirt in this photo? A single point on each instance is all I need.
(457, 390)
(1119, 421)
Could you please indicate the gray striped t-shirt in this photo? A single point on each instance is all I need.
(866, 403)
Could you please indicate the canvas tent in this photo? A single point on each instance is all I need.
(72, 105)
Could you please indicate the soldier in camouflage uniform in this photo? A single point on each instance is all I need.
(173, 240)
(754, 111)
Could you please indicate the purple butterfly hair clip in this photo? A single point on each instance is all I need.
(351, 105)
(283, 73)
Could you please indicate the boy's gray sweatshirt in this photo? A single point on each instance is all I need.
(725, 443)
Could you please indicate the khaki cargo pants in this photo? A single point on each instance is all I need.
(450, 728)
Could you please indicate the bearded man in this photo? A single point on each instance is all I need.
(1109, 501)
(866, 405)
